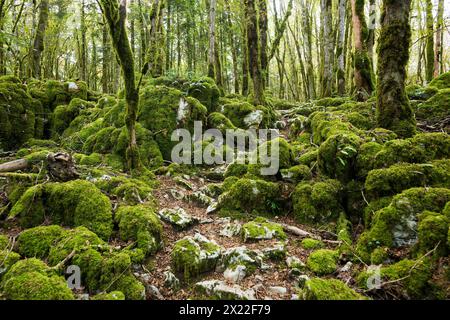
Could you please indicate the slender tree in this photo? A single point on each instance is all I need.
(363, 73)
(115, 13)
(340, 52)
(328, 47)
(438, 52)
(430, 42)
(394, 111)
(38, 46)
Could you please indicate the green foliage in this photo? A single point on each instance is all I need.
(323, 261)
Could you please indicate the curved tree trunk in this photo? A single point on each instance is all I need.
(115, 14)
(393, 109)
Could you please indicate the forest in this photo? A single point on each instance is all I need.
(121, 178)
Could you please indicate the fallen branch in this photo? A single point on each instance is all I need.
(62, 263)
(15, 165)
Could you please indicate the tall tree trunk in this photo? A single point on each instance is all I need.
(394, 111)
(234, 54)
(371, 31)
(105, 59)
(115, 13)
(38, 46)
(254, 52)
(307, 40)
(328, 47)
(83, 46)
(438, 52)
(363, 72)
(2, 52)
(340, 74)
(263, 30)
(212, 39)
(430, 43)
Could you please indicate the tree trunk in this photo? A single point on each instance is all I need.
(263, 29)
(363, 72)
(212, 39)
(253, 52)
(307, 39)
(38, 46)
(371, 31)
(438, 52)
(105, 59)
(328, 47)
(83, 47)
(116, 13)
(393, 109)
(430, 43)
(340, 74)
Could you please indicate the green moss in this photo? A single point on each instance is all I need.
(65, 114)
(399, 177)
(219, 121)
(236, 170)
(329, 289)
(317, 202)
(297, 174)
(19, 121)
(323, 261)
(251, 196)
(31, 279)
(396, 225)
(441, 82)
(433, 233)
(115, 295)
(312, 244)
(37, 242)
(309, 158)
(75, 239)
(206, 91)
(436, 108)
(237, 111)
(416, 92)
(337, 156)
(7, 260)
(379, 256)
(343, 231)
(132, 288)
(193, 256)
(262, 229)
(141, 225)
(160, 111)
(74, 203)
(412, 275)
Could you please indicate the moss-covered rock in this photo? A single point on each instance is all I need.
(8, 259)
(74, 203)
(399, 177)
(219, 121)
(115, 295)
(311, 244)
(20, 115)
(251, 196)
(206, 91)
(193, 256)
(72, 240)
(396, 225)
(297, 173)
(178, 218)
(441, 82)
(412, 275)
(240, 262)
(262, 229)
(63, 115)
(37, 242)
(436, 108)
(163, 110)
(317, 202)
(433, 233)
(328, 289)
(323, 261)
(416, 92)
(31, 279)
(141, 225)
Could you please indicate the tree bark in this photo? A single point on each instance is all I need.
(438, 52)
(328, 47)
(115, 13)
(212, 39)
(363, 73)
(430, 42)
(38, 46)
(340, 47)
(307, 39)
(394, 111)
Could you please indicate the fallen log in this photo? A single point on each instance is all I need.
(60, 166)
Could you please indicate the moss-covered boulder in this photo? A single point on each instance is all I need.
(312, 244)
(399, 177)
(323, 261)
(262, 229)
(436, 108)
(37, 242)
(141, 225)
(433, 233)
(63, 115)
(193, 256)
(317, 202)
(251, 196)
(219, 121)
(31, 279)
(20, 114)
(115, 295)
(178, 218)
(441, 82)
(413, 277)
(206, 91)
(74, 203)
(296, 174)
(8, 259)
(163, 110)
(328, 289)
(397, 224)
(239, 263)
